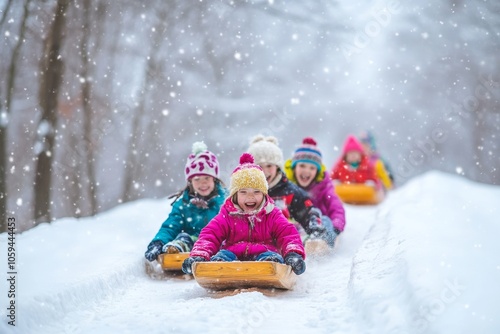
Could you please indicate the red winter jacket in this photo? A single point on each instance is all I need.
(345, 173)
(248, 235)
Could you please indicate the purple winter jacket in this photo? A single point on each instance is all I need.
(248, 235)
(324, 198)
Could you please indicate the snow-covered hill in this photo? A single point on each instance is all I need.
(424, 261)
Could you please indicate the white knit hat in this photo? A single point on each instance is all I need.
(265, 150)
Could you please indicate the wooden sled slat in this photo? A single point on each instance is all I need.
(358, 194)
(316, 247)
(244, 274)
(172, 261)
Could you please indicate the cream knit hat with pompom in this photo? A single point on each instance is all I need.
(265, 150)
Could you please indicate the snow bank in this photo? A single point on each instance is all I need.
(430, 262)
(73, 263)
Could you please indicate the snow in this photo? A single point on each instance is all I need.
(423, 261)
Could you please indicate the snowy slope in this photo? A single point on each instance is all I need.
(424, 261)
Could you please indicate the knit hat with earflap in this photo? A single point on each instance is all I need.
(308, 152)
(247, 175)
(201, 162)
(265, 150)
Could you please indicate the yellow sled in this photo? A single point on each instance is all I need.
(243, 274)
(357, 193)
(172, 261)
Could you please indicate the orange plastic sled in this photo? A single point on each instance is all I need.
(172, 261)
(356, 193)
(244, 274)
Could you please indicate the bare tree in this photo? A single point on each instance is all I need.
(51, 68)
(11, 76)
(87, 106)
(133, 169)
(5, 11)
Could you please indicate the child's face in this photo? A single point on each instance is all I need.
(270, 171)
(305, 173)
(203, 184)
(249, 199)
(353, 157)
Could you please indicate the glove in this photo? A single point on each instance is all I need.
(188, 263)
(315, 212)
(154, 249)
(295, 261)
(315, 226)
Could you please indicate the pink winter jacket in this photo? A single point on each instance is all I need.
(324, 198)
(248, 235)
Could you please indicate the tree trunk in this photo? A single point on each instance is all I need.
(3, 175)
(51, 70)
(4, 114)
(132, 163)
(88, 113)
(5, 12)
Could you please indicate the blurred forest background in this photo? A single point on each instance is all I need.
(100, 100)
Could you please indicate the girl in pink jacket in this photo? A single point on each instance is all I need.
(249, 227)
(307, 170)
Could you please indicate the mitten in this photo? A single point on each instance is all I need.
(315, 225)
(315, 212)
(295, 261)
(154, 249)
(188, 263)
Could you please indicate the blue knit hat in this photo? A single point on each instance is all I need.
(366, 137)
(308, 152)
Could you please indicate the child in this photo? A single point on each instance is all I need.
(307, 170)
(248, 227)
(354, 165)
(382, 168)
(291, 199)
(194, 206)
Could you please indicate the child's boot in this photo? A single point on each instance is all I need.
(181, 244)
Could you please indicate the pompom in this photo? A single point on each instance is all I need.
(257, 139)
(309, 141)
(246, 158)
(199, 147)
(273, 140)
